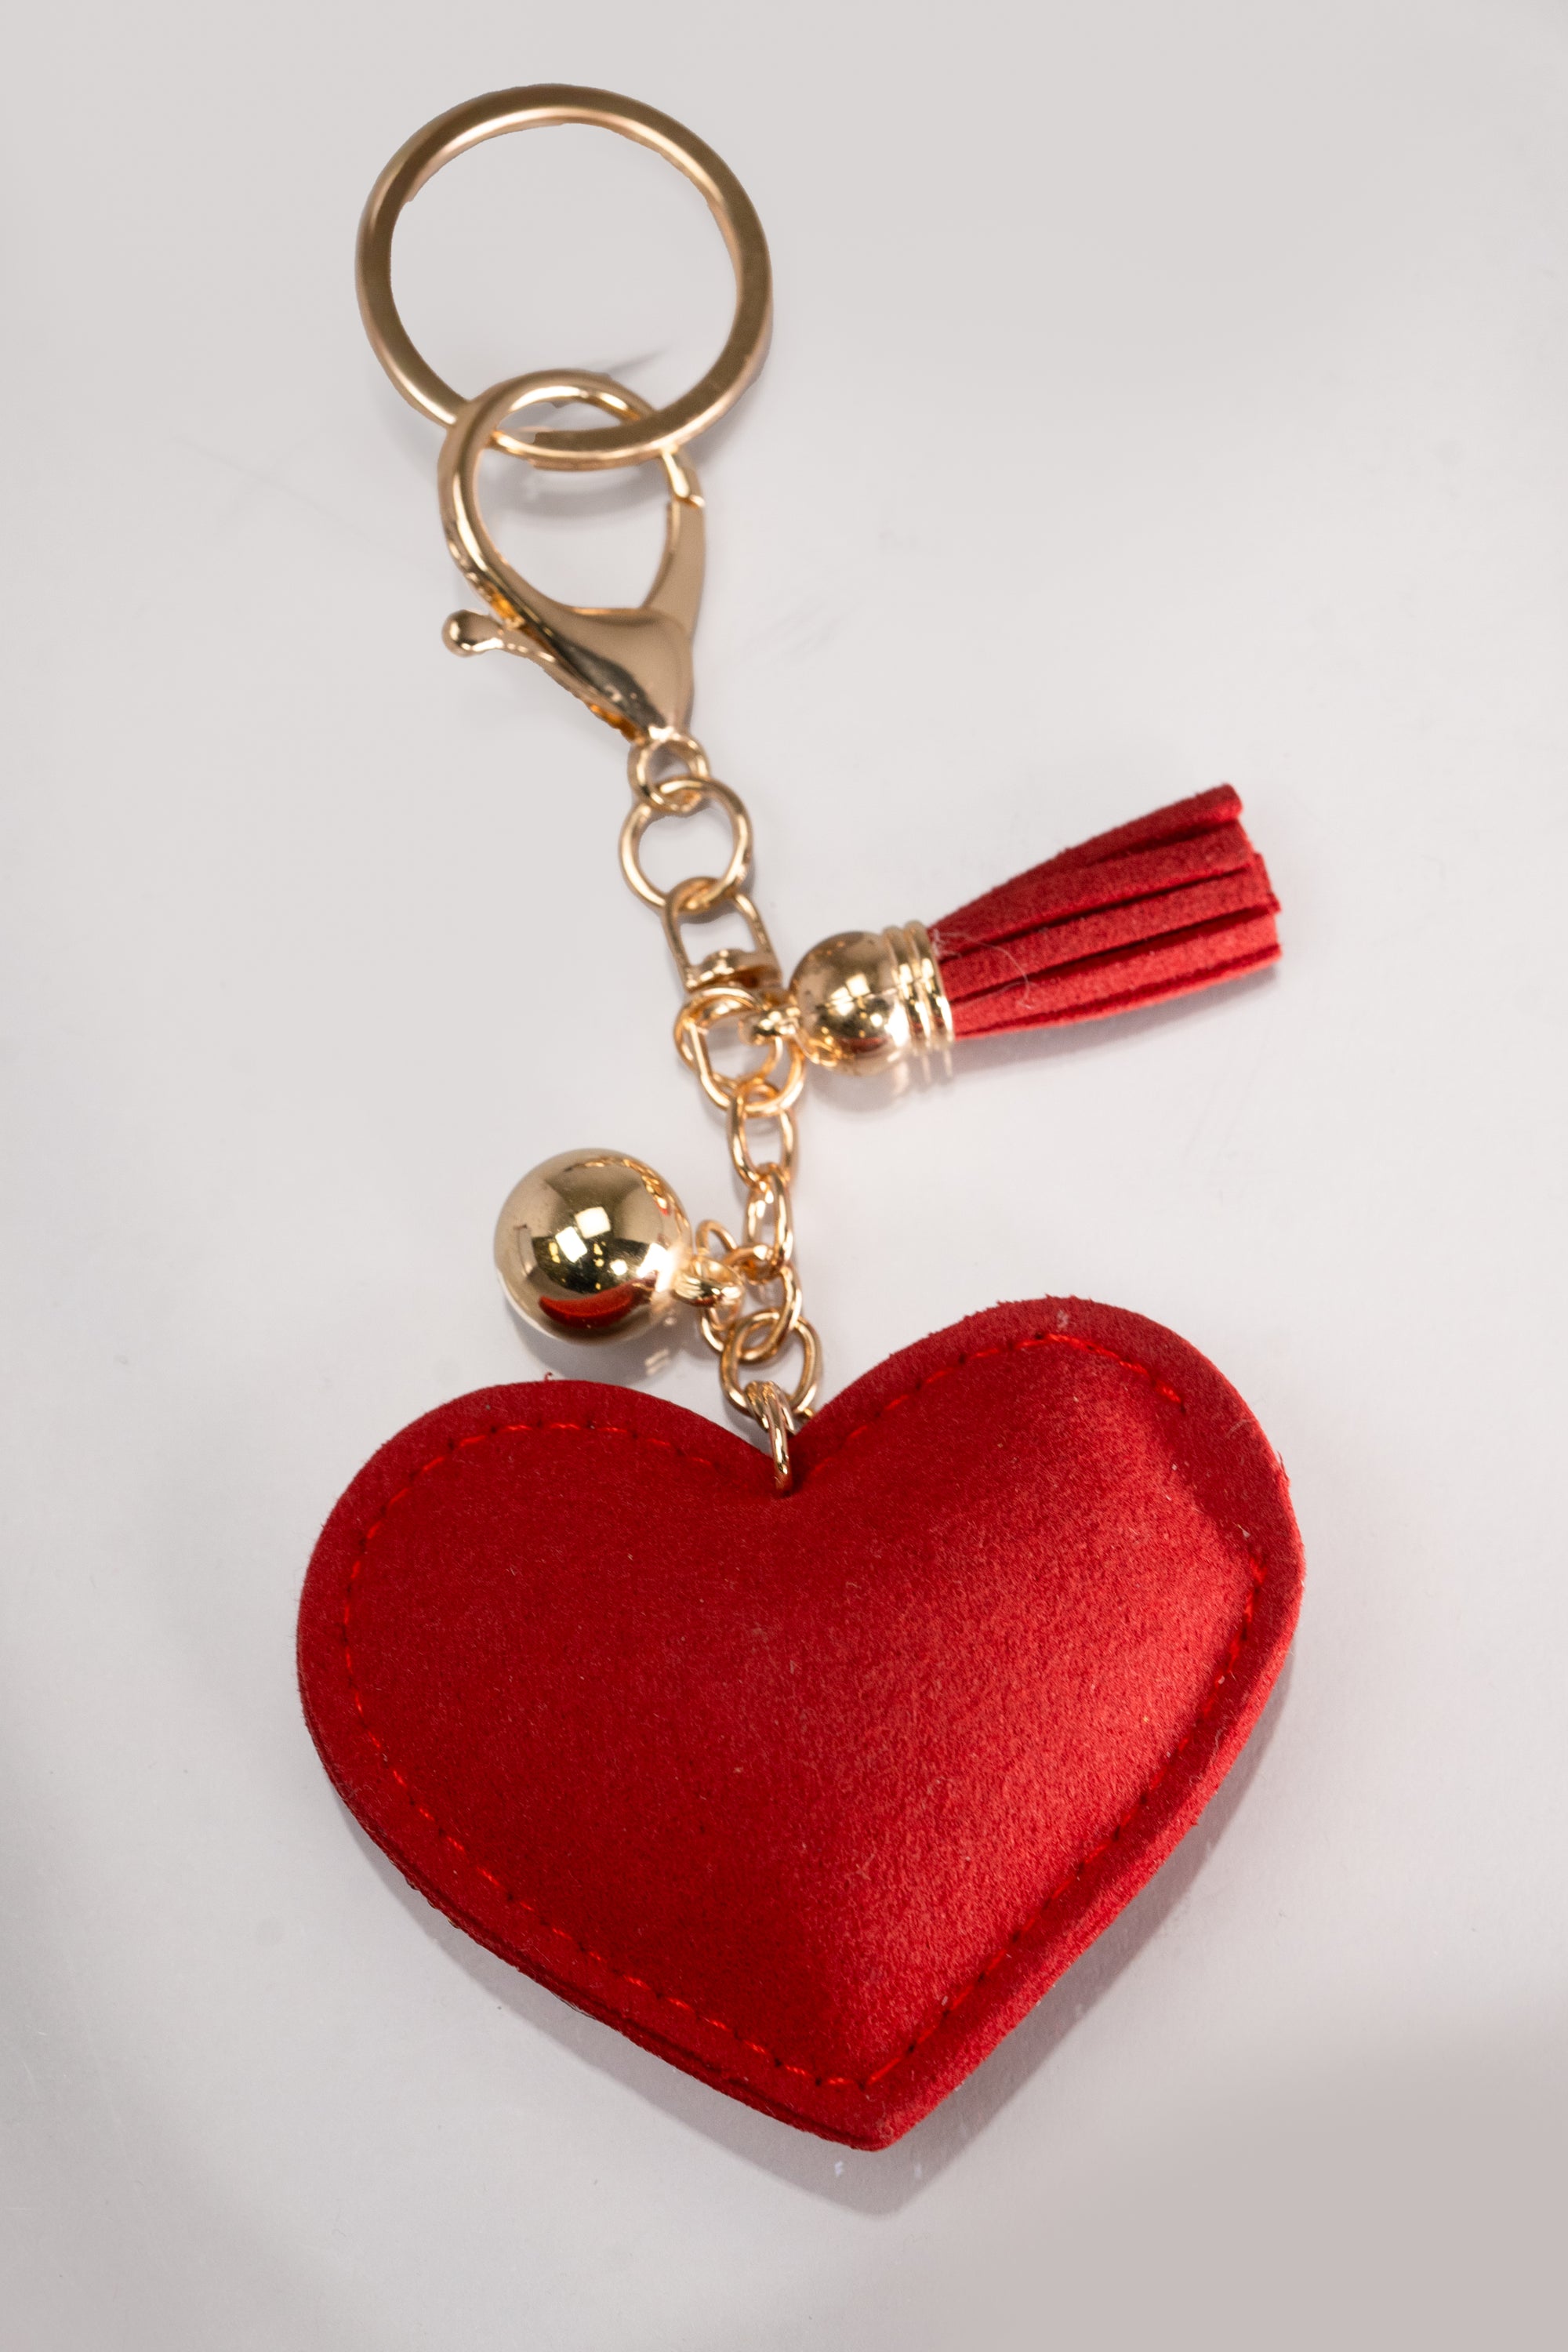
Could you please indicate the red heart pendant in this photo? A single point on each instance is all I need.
(814, 1797)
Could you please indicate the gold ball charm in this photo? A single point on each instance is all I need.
(588, 1246)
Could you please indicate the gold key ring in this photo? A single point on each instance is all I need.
(541, 105)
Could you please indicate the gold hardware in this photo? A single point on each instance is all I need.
(864, 998)
(715, 1007)
(671, 743)
(737, 989)
(683, 800)
(592, 1245)
(771, 1408)
(751, 969)
(596, 1244)
(768, 1197)
(709, 1283)
(744, 1108)
(920, 985)
(632, 666)
(650, 432)
(736, 1351)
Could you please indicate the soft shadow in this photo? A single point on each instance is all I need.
(875, 1089)
(626, 1363)
(1116, 1028)
(636, 1363)
(891, 2178)
(859, 1091)
(1392, 2183)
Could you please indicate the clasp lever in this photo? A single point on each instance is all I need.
(632, 666)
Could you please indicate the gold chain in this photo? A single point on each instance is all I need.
(746, 1291)
(858, 1000)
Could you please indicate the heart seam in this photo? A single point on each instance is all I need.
(952, 2002)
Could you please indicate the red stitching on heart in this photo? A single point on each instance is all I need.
(673, 2000)
(1013, 1347)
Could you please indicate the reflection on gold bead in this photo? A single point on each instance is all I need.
(846, 992)
(589, 1245)
(862, 999)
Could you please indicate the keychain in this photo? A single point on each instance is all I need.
(807, 1760)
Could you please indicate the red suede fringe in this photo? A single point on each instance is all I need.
(1170, 903)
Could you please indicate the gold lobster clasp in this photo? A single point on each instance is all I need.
(632, 666)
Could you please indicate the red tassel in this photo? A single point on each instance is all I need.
(1172, 902)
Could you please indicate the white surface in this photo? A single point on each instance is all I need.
(1158, 396)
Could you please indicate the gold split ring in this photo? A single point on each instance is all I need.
(541, 105)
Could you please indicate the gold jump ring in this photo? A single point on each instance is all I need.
(803, 1396)
(685, 800)
(680, 746)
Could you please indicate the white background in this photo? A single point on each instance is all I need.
(1158, 396)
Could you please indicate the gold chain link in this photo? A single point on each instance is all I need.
(738, 988)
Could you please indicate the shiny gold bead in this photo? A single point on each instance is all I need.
(589, 1245)
(862, 999)
(852, 1016)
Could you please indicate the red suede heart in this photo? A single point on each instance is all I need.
(816, 1796)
